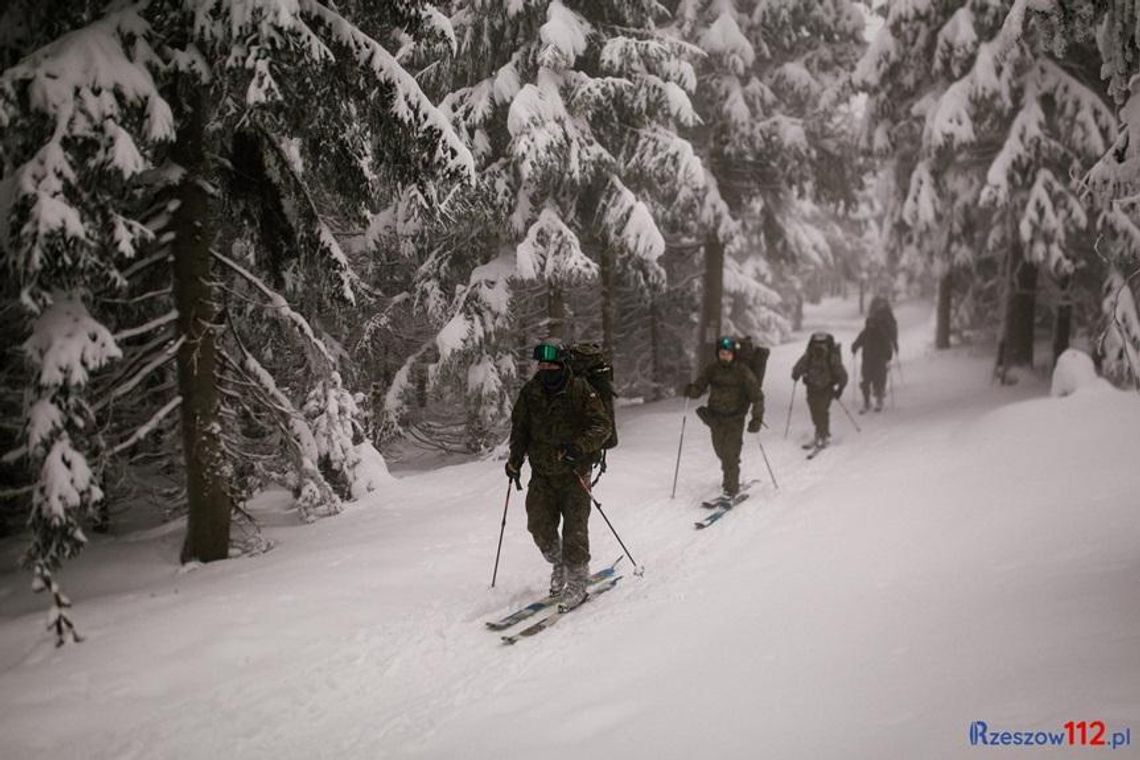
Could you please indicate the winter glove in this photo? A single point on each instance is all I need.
(754, 424)
(571, 453)
(839, 392)
(513, 474)
(691, 391)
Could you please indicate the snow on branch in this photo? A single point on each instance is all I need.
(150, 326)
(564, 34)
(551, 251)
(95, 97)
(279, 305)
(67, 344)
(629, 224)
(147, 427)
(1121, 338)
(410, 105)
(284, 163)
(316, 496)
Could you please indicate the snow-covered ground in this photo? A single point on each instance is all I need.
(973, 554)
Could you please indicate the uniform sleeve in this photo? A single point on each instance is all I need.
(755, 394)
(520, 433)
(798, 369)
(858, 342)
(597, 425)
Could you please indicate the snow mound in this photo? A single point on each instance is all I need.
(1074, 371)
(370, 472)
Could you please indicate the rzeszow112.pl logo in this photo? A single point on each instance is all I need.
(1093, 733)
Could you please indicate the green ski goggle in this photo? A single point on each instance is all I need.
(545, 352)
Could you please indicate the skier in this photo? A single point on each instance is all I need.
(732, 388)
(879, 341)
(559, 423)
(821, 367)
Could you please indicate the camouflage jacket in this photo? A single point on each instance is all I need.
(879, 338)
(542, 423)
(732, 387)
(822, 369)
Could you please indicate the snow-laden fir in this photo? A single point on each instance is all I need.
(971, 555)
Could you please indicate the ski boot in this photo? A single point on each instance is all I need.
(577, 576)
(557, 569)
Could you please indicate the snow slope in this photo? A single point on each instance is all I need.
(973, 554)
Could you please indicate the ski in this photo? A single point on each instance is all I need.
(546, 622)
(815, 452)
(534, 608)
(720, 512)
(721, 500)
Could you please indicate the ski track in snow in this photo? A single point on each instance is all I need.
(818, 620)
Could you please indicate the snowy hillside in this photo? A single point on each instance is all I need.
(972, 554)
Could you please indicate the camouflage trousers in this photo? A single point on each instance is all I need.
(727, 440)
(874, 379)
(554, 498)
(819, 402)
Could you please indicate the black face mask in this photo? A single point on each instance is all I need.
(553, 380)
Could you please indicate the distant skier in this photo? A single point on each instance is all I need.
(879, 341)
(732, 389)
(821, 367)
(559, 423)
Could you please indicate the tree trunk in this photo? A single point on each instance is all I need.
(942, 325)
(1063, 324)
(609, 295)
(556, 314)
(713, 299)
(654, 347)
(210, 503)
(1021, 308)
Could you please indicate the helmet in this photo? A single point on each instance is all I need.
(549, 352)
(726, 343)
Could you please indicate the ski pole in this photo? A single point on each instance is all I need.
(853, 376)
(680, 443)
(791, 401)
(503, 528)
(898, 363)
(768, 464)
(638, 569)
(844, 408)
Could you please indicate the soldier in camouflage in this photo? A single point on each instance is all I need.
(879, 341)
(825, 378)
(559, 423)
(732, 389)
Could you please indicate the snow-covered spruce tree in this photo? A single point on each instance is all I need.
(1004, 108)
(571, 111)
(152, 99)
(1115, 179)
(770, 86)
(924, 226)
